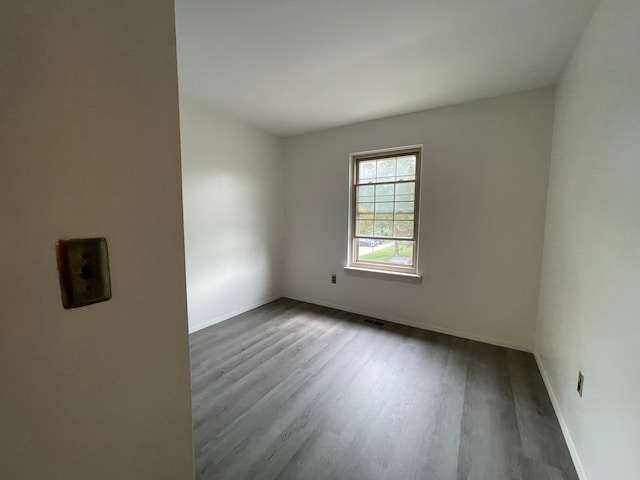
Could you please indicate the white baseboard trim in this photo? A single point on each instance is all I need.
(554, 401)
(563, 425)
(409, 323)
(227, 316)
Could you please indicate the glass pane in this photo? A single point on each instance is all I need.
(403, 255)
(364, 227)
(363, 208)
(365, 193)
(388, 252)
(367, 170)
(384, 193)
(405, 188)
(386, 169)
(383, 228)
(384, 207)
(405, 192)
(403, 207)
(407, 166)
(366, 246)
(403, 229)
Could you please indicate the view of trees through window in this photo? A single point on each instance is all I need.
(385, 207)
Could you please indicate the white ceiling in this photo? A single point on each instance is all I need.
(292, 66)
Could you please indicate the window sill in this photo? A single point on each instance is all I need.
(383, 274)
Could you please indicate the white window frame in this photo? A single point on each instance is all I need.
(381, 267)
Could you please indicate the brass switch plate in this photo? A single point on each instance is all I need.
(83, 267)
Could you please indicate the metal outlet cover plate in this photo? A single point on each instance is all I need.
(83, 268)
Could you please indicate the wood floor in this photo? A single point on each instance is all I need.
(297, 391)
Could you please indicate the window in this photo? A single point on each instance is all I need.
(384, 210)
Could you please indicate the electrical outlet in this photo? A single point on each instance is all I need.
(580, 382)
(333, 278)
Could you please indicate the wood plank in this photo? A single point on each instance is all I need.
(298, 391)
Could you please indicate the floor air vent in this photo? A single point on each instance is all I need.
(377, 323)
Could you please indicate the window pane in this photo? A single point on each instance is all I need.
(365, 193)
(363, 208)
(364, 227)
(403, 207)
(405, 188)
(366, 246)
(386, 207)
(405, 192)
(403, 229)
(383, 228)
(386, 169)
(367, 170)
(407, 166)
(404, 254)
(384, 193)
(391, 253)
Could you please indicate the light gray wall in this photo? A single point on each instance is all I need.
(89, 146)
(590, 299)
(484, 173)
(233, 197)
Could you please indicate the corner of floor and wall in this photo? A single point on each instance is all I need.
(233, 256)
(529, 228)
(481, 217)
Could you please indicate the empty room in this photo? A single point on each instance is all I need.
(355, 240)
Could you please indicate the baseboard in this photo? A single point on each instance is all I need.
(563, 425)
(409, 323)
(227, 316)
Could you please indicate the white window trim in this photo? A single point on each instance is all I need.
(377, 269)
